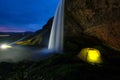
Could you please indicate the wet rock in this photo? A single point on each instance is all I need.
(100, 19)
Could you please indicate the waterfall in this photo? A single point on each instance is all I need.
(56, 35)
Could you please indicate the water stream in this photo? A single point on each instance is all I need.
(56, 35)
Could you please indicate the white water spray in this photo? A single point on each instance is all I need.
(56, 35)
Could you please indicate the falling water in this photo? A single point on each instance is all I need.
(56, 35)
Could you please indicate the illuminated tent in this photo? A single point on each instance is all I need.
(90, 55)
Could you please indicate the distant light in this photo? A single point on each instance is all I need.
(5, 46)
(4, 35)
(90, 55)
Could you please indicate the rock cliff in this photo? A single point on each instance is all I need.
(96, 18)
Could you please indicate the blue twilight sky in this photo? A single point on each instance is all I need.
(25, 15)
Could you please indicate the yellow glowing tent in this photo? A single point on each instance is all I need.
(90, 55)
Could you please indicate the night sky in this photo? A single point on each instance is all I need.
(25, 15)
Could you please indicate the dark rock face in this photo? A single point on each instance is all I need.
(97, 18)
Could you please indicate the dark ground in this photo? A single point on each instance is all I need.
(66, 66)
(62, 67)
